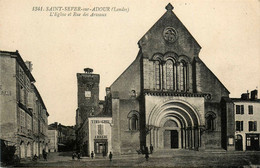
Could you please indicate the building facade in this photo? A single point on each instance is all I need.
(88, 105)
(100, 135)
(247, 118)
(24, 117)
(53, 140)
(168, 97)
(66, 136)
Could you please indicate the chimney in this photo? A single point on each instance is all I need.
(245, 96)
(254, 94)
(29, 65)
(56, 124)
(108, 90)
(88, 70)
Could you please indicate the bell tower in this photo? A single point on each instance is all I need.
(88, 93)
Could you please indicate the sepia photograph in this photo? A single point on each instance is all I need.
(128, 83)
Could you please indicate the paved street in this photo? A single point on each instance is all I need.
(166, 158)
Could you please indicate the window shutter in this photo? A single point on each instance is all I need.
(250, 125)
(242, 109)
(237, 125)
(237, 109)
(250, 109)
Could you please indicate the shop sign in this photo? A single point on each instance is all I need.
(101, 137)
(100, 121)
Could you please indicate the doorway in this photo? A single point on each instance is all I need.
(239, 143)
(174, 139)
(171, 139)
(252, 141)
(100, 146)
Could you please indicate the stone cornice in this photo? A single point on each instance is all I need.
(180, 94)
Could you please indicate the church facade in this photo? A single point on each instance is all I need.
(168, 97)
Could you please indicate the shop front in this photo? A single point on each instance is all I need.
(100, 135)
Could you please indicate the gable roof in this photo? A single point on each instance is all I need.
(154, 39)
(21, 62)
(198, 59)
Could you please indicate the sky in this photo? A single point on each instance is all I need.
(59, 47)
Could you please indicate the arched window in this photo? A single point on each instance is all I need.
(133, 120)
(157, 74)
(133, 125)
(210, 121)
(170, 84)
(183, 76)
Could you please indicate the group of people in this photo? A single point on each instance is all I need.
(77, 155)
(104, 154)
(44, 155)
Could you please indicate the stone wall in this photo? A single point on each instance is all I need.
(128, 81)
(123, 139)
(8, 103)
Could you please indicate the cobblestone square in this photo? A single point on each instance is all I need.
(165, 158)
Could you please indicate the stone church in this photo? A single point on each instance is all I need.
(168, 97)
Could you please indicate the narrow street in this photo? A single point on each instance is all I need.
(165, 158)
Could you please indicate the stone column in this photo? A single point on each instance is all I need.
(148, 140)
(156, 138)
(186, 138)
(192, 137)
(196, 138)
(199, 137)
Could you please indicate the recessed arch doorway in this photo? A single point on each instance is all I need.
(171, 133)
(174, 125)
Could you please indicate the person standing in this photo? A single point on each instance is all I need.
(35, 157)
(110, 156)
(73, 155)
(151, 148)
(44, 155)
(78, 155)
(92, 155)
(146, 153)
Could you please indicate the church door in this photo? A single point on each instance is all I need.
(174, 139)
(171, 140)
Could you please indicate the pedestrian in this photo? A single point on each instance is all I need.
(35, 157)
(143, 149)
(151, 148)
(146, 153)
(73, 155)
(78, 155)
(44, 155)
(92, 155)
(110, 156)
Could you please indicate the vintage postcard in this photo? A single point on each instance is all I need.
(128, 83)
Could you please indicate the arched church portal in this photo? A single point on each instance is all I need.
(174, 125)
